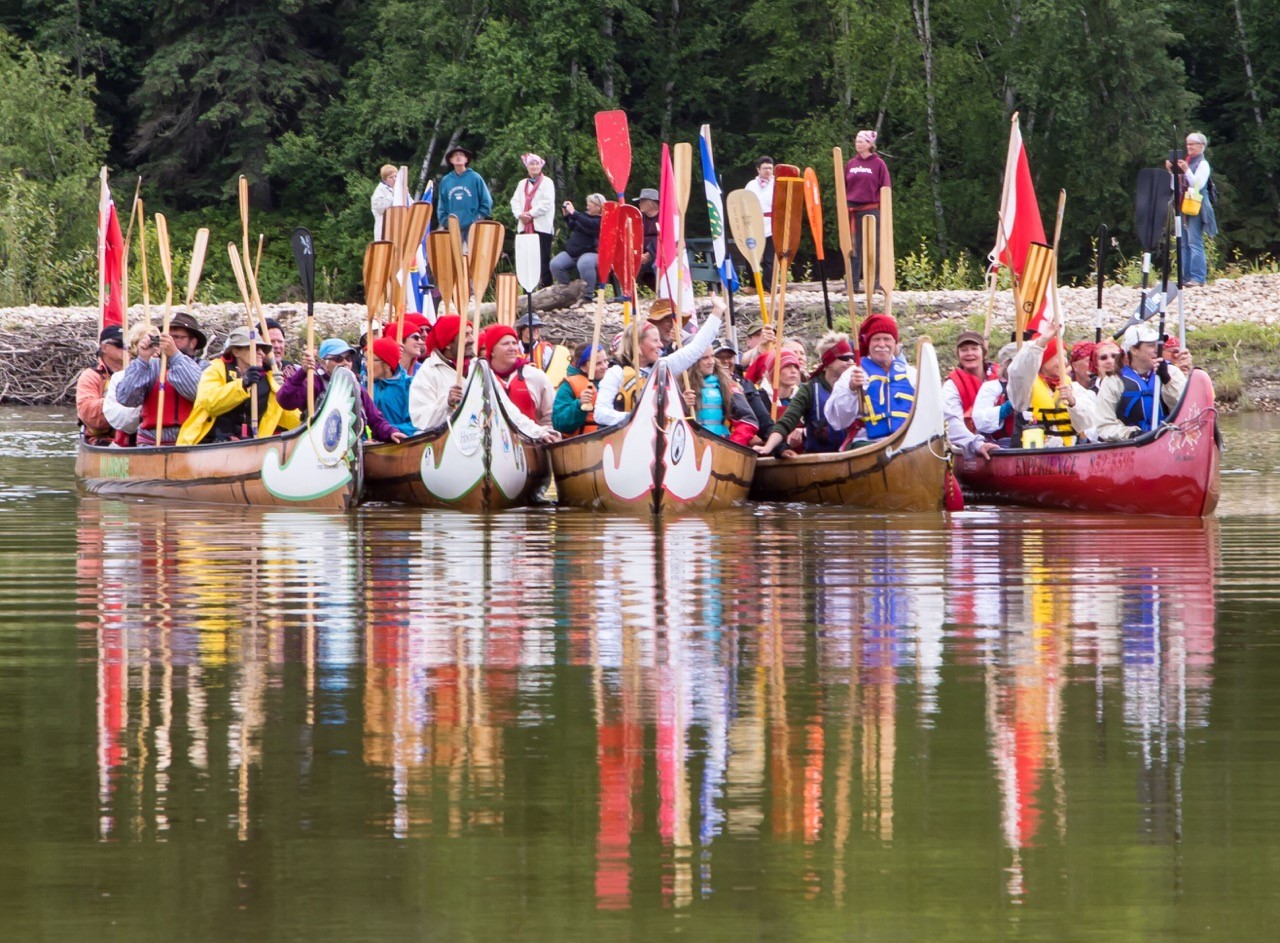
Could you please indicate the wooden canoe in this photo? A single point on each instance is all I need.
(905, 471)
(479, 461)
(655, 462)
(312, 466)
(1171, 472)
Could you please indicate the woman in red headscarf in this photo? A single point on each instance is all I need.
(527, 388)
(435, 393)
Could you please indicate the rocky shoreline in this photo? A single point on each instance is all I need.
(42, 349)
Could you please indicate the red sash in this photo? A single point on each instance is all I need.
(528, 203)
(518, 393)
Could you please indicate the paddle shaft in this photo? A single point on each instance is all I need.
(1102, 274)
(844, 234)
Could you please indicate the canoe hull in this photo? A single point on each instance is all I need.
(313, 466)
(479, 462)
(657, 462)
(1172, 473)
(903, 472)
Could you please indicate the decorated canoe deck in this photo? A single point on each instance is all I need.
(479, 461)
(902, 472)
(313, 466)
(1172, 471)
(657, 462)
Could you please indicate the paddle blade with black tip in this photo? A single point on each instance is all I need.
(613, 138)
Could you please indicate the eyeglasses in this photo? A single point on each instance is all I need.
(341, 358)
(845, 357)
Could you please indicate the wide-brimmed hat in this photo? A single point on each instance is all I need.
(757, 327)
(455, 149)
(188, 323)
(239, 337)
(663, 308)
(648, 193)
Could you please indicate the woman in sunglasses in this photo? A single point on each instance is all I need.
(334, 353)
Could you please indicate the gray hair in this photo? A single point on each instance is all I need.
(596, 198)
(1198, 138)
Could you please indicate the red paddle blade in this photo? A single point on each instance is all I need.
(786, 170)
(629, 246)
(608, 237)
(813, 206)
(613, 137)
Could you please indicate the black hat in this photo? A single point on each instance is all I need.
(185, 321)
(111, 334)
(458, 147)
(272, 322)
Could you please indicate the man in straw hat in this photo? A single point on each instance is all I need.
(223, 408)
(140, 385)
(1126, 399)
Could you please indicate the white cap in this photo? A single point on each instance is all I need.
(1139, 334)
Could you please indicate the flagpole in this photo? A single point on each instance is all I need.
(104, 200)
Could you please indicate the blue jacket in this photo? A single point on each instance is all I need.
(391, 396)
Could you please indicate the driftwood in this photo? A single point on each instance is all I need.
(41, 369)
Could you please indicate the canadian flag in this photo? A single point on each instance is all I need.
(669, 272)
(110, 259)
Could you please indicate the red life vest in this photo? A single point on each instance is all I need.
(518, 393)
(176, 410)
(967, 385)
(579, 382)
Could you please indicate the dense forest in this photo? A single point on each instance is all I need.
(309, 97)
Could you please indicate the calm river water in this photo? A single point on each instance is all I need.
(781, 723)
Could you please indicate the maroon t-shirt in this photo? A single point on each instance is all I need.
(863, 178)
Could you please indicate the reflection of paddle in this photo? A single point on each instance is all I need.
(377, 270)
(788, 220)
(1102, 271)
(304, 257)
(813, 205)
(746, 223)
(843, 231)
(613, 138)
(528, 263)
(888, 280)
(166, 264)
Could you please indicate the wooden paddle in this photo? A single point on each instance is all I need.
(869, 257)
(198, 251)
(1036, 272)
(746, 223)
(788, 221)
(238, 269)
(1058, 313)
(888, 280)
(487, 239)
(844, 233)
(613, 139)
(528, 264)
(415, 228)
(377, 270)
(440, 259)
(506, 292)
(142, 251)
(1102, 274)
(304, 257)
(462, 287)
(813, 207)
(682, 170)
(395, 227)
(124, 267)
(243, 190)
(780, 172)
(166, 265)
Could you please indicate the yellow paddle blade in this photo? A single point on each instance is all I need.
(1036, 275)
(162, 241)
(461, 277)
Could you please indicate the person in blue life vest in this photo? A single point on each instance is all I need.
(1126, 399)
(876, 396)
(806, 425)
(462, 192)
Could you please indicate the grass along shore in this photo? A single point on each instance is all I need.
(1233, 330)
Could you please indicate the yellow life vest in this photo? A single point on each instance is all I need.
(632, 384)
(1046, 410)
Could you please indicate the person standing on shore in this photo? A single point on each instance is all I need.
(462, 192)
(762, 187)
(864, 174)
(383, 197)
(1195, 171)
(534, 207)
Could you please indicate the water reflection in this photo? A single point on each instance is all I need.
(808, 682)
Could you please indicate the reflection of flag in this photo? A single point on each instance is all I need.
(667, 266)
(419, 277)
(715, 211)
(1019, 223)
(110, 260)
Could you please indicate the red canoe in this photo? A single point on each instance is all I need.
(1172, 472)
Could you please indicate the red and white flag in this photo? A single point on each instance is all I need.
(1020, 223)
(667, 266)
(110, 260)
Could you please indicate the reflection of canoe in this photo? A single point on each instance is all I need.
(313, 466)
(657, 461)
(478, 462)
(1172, 471)
(903, 472)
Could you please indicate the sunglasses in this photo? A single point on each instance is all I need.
(1108, 356)
(341, 358)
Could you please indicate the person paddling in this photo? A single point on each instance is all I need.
(1126, 400)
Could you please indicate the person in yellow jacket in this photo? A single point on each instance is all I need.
(222, 405)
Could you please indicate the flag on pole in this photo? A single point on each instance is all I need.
(420, 277)
(1019, 224)
(715, 212)
(667, 265)
(110, 260)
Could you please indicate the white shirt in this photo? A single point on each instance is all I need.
(1022, 374)
(986, 411)
(543, 398)
(958, 434)
(543, 208)
(677, 362)
(124, 418)
(429, 393)
(383, 197)
(764, 193)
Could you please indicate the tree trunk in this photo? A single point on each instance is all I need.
(431, 150)
(1252, 85)
(924, 31)
(606, 30)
